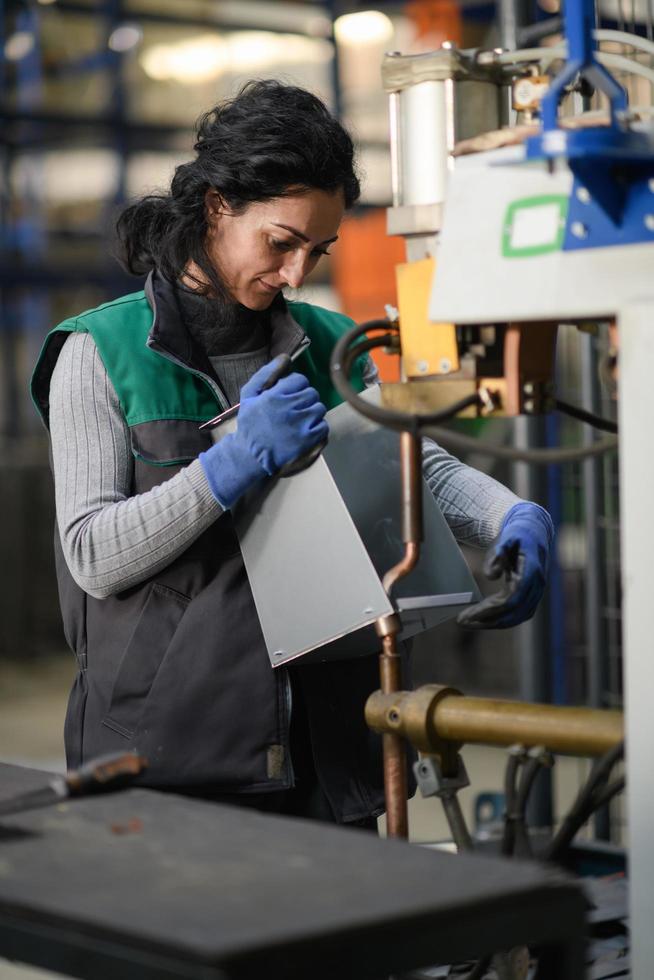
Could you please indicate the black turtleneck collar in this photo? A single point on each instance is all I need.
(222, 328)
(173, 333)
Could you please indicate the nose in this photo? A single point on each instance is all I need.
(295, 269)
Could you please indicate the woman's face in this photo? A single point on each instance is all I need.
(272, 244)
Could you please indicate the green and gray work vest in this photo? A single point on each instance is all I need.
(176, 667)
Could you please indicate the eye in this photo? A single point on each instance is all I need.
(281, 246)
(318, 252)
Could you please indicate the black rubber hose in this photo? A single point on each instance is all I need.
(602, 768)
(532, 767)
(539, 457)
(569, 828)
(389, 417)
(586, 802)
(381, 340)
(607, 425)
(428, 425)
(513, 763)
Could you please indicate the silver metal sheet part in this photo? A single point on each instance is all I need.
(316, 545)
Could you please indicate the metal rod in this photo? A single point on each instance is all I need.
(412, 526)
(395, 775)
(390, 661)
(561, 729)
(428, 722)
(396, 148)
(456, 821)
(402, 568)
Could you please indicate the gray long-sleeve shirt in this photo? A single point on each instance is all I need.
(112, 540)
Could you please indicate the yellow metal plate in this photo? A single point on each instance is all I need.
(427, 348)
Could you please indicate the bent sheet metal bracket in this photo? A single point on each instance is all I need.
(316, 547)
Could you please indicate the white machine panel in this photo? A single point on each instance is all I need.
(499, 256)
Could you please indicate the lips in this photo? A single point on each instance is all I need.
(269, 287)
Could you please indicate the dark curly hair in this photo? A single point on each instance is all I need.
(271, 140)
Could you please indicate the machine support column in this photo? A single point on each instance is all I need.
(637, 543)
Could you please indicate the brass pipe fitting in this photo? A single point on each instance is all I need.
(436, 719)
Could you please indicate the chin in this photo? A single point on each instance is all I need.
(257, 302)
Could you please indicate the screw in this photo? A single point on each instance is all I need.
(650, 184)
(278, 653)
(579, 229)
(367, 611)
(529, 406)
(583, 195)
(393, 54)
(528, 388)
(649, 222)
(423, 366)
(445, 365)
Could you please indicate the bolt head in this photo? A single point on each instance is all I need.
(423, 366)
(579, 229)
(650, 184)
(649, 222)
(529, 406)
(445, 365)
(583, 195)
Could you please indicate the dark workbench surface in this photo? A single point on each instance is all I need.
(147, 885)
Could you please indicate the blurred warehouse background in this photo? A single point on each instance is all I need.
(99, 99)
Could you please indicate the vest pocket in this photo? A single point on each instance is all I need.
(142, 658)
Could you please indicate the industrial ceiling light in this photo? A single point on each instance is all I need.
(192, 61)
(208, 56)
(18, 45)
(125, 37)
(363, 27)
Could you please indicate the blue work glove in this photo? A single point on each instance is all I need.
(521, 555)
(275, 426)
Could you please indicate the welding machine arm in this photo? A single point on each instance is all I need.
(275, 426)
(521, 555)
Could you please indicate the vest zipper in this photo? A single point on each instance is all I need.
(216, 390)
(221, 397)
(224, 404)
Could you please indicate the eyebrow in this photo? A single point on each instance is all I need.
(298, 234)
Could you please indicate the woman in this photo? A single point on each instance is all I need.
(155, 598)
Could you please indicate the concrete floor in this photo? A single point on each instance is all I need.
(32, 706)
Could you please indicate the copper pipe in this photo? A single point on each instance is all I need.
(411, 555)
(434, 717)
(390, 662)
(412, 532)
(411, 469)
(395, 776)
